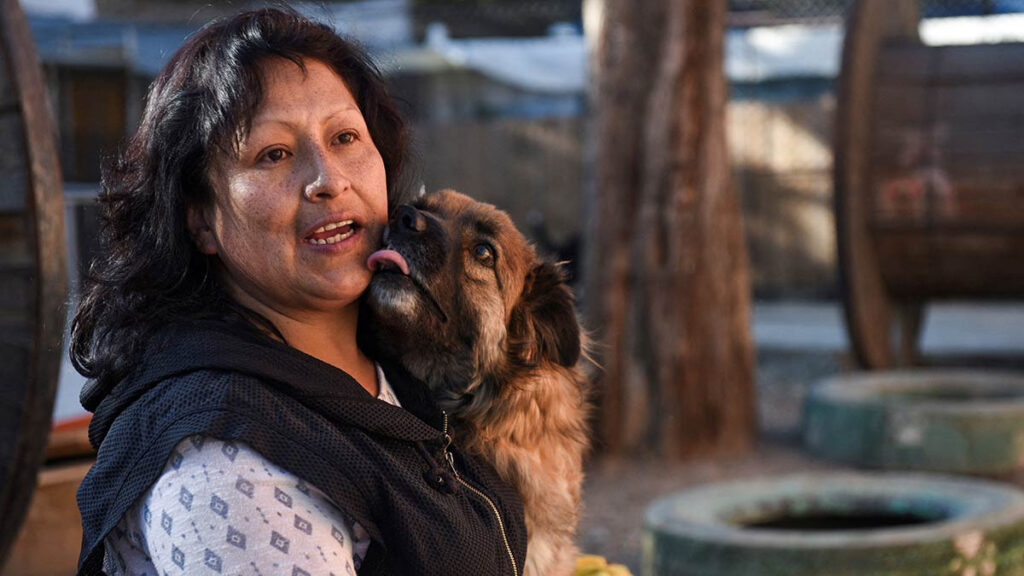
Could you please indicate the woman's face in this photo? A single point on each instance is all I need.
(302, 206)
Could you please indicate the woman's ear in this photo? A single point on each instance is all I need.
(200, 230)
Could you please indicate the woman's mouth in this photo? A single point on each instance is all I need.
(331, 233)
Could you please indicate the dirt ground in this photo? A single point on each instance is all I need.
(617, 490)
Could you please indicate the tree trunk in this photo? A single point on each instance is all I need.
(666, 279)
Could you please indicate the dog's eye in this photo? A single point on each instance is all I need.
(484, 254)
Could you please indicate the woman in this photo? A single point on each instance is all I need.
(240, 429)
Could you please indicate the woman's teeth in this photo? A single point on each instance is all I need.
(332, 226)
(333, 239)
(344, 229)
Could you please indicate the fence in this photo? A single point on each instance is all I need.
(781, 154)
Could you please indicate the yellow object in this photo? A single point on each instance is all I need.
(591, 565)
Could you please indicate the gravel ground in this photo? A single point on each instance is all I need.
(617, 490)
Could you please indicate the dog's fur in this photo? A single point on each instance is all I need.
(498, 342)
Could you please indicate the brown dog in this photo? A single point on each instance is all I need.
(462, 301)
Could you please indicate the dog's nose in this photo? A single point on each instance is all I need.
(410, 219)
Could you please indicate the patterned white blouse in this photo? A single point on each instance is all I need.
(221, 508)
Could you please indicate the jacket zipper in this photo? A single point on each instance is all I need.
(451, 464)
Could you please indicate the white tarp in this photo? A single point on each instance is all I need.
(973, 30)
(558, 63)
(787, 51)
(554, 63)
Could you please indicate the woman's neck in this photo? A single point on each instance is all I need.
(330, 338)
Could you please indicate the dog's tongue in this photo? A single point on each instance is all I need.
(381, 258)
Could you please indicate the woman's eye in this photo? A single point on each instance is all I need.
(484, 254)
(347, 137)
(275, 155)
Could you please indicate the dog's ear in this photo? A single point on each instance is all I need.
(543, 324)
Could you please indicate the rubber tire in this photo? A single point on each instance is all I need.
(690, 534)
(887, 420)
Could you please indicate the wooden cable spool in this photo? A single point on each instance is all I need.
(33, 277)
(929, 177)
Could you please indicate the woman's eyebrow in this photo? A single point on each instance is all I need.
(289, 122)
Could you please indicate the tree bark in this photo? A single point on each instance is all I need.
(666, 275)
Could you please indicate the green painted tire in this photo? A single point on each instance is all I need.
(956, 527)
(969, 422)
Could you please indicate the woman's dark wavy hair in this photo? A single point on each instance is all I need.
(149, 272)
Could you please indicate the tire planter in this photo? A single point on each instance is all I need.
(962, 421)
(838, 525)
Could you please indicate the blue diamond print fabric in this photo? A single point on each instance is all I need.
(220, 507)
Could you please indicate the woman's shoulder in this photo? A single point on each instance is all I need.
(221, 503)
(228, 470)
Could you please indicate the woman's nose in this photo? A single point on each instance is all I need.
(325, 178)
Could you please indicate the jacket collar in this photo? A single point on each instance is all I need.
(187, 347)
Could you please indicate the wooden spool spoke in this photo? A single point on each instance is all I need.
(871, 317)
(33, 280)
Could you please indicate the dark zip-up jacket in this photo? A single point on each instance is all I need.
(383, 465)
